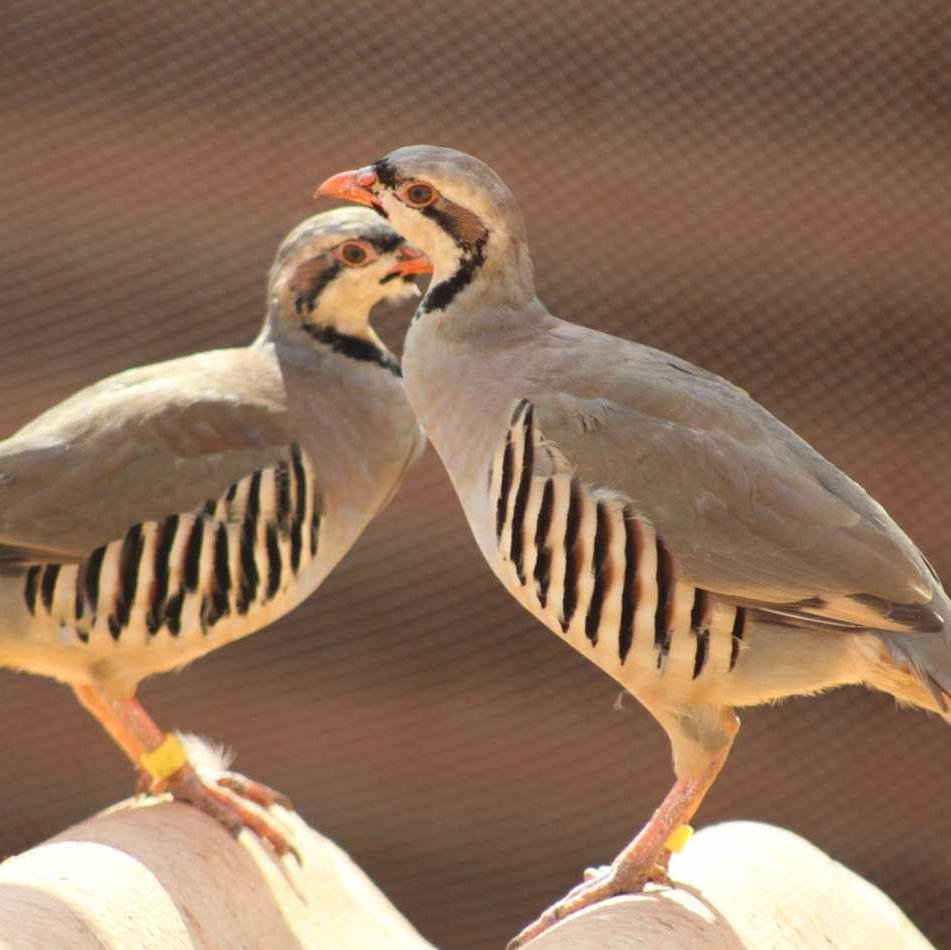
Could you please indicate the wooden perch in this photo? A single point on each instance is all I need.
(744, 886)
(163, 875)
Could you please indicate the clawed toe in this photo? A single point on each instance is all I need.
(235, 802)
(591, 874)
(246, 814)
(599, 884)
(253, 791)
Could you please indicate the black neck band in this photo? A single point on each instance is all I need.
(440, 296)
(354, 347)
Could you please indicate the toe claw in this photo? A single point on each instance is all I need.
(599, 884)
(253, 791)
(592, 873)
(237, 803)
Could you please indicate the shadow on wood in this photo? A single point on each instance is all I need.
(165, 875)
(744, 886)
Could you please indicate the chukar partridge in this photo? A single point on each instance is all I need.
(648, 512)
(163, 512)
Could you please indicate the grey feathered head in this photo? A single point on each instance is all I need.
(455, 207)
(334, 267)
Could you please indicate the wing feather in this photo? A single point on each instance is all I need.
(135, 447)
(747, 508)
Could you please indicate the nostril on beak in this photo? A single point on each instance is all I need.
(411, 260)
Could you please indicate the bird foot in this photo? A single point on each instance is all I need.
(253, 791)
(599, 884)
(659, 875)
(234, 801)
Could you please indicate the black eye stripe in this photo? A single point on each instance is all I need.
(308, 299)
(383, 243)
(385, 173)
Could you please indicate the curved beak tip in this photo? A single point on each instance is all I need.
(348, 186)
(411, 260)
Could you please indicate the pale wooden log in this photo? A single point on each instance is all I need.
(163, 875)
(744, 886)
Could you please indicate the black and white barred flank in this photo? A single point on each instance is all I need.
(233, 556)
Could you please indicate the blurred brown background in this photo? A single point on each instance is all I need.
(761, 187)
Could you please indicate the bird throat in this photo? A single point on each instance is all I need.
(442, 294)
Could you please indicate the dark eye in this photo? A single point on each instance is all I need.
(419, 194)
(353, 253)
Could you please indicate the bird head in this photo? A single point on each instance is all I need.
(454, 207)
(333, 268)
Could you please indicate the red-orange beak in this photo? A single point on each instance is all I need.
(351, 186)
(411, 260)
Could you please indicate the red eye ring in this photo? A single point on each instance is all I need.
(353, 254)
(418, 194)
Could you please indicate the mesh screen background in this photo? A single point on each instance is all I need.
(761, 187)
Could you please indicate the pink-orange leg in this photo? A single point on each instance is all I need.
(644, 859)
(221, 797)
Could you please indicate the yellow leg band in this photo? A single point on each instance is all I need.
(679, 838)
(166, 760)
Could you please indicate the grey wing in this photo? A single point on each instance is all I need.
(135, 448)
(746, 508)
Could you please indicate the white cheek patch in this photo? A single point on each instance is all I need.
(347, 299)
(402, 289)
(422, 231)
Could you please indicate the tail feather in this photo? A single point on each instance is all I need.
(916, 668)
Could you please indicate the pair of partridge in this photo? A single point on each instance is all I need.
(648, 512)
(168, 510)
